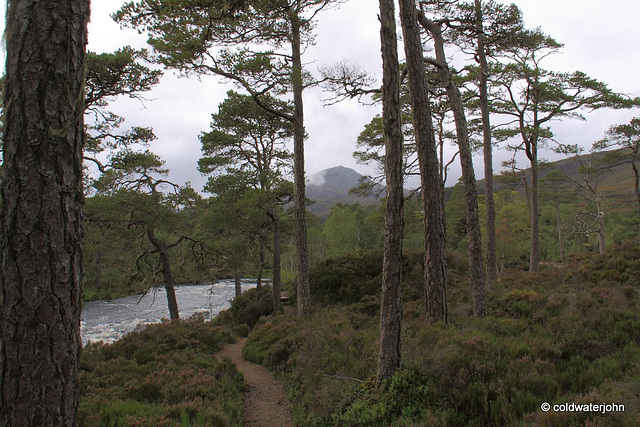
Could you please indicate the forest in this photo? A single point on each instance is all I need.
(472, 304)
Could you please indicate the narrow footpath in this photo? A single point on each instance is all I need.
(265, 402)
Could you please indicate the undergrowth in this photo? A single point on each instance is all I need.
(163, 375)
(246, 309)
(566, 334)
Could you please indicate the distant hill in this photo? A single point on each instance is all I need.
(619, 179)
(331, 186)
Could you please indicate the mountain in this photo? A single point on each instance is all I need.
(331, 186)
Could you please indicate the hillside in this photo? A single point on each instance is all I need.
(618, 179)
(331, 186)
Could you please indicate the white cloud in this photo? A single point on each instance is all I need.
(601, 39)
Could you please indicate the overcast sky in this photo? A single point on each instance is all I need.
(601, 38)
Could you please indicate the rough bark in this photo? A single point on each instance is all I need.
(435, 265)
(42, 212)
(299, 193)
(167, 275)
(277, 270)
(474, 236)
(391, 303)
(487, 151)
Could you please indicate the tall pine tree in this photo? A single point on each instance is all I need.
(42, 212)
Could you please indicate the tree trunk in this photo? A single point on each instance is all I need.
(277, 271)
(558, 220)
(636, 188)
(42, 212)
(260, 265)
(391, 302)
(534, 257)
(237, 281)
(600, 221)
(435, 266)
(487, 150)
(167, 275)
(299, 196)
(474, 236)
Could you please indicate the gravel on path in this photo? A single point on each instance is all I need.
(265, 401)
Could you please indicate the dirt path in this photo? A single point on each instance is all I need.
(265, 403)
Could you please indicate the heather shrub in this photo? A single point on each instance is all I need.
(620, 264)
(408, 398)
(162, 375)
(547, 338)
(246, 309)
(346, 279)
(271, 343)
(349, 279)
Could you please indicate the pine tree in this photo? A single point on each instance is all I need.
(42, 212)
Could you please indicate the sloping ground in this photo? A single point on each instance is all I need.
(618, 179)
(331, 186)
(265, 401)
(569, 333)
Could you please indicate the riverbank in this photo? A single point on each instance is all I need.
(166, 374)
(109, 320)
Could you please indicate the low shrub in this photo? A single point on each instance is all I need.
(346, 279)
(269, 342)
(246, 309)
(547, 338)
(408, 398)
(163, 375)
(349, 279)
(620, 264)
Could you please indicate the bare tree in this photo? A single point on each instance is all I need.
(625, 137)
(587, 179)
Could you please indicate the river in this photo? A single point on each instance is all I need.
(109, 320)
